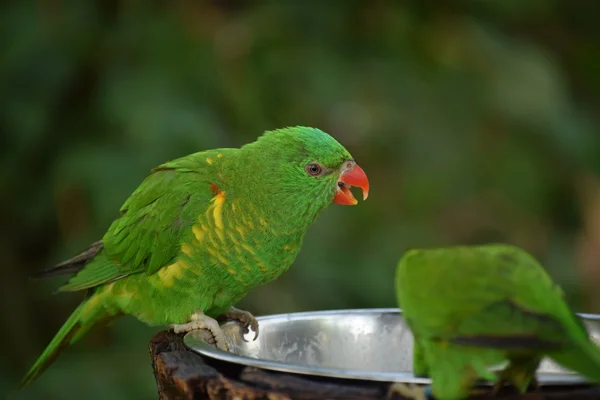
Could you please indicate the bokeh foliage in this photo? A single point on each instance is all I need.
(476, 121)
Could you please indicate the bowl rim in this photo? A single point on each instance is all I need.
(193, 340)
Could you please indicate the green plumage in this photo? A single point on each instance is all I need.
(201, 231)
(472, 308)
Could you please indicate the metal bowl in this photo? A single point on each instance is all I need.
(368, 344)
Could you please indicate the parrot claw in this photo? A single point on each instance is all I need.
(198, 321)
(408, 390)
(246, 320)
(519, 374)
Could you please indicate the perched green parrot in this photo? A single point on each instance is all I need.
(203, 230)
(471, 308)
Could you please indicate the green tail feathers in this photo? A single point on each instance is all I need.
(583, 358)
(67, 334)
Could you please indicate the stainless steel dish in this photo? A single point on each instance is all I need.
(370, 344)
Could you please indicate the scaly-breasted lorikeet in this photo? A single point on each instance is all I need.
(203, 230)
(471, 308)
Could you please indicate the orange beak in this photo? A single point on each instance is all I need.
(355, 176)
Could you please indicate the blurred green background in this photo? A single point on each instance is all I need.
(476, 121)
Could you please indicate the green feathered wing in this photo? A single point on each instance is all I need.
(145, 238)
(148, 233)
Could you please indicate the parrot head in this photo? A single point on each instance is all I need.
(306, 165)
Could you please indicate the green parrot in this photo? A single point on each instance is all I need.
(471, 308)
(204, 229)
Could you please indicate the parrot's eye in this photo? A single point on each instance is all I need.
(313, 169)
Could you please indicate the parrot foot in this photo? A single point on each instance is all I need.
(407, 390)
(245, 319)
(201, 321)
(520, 373)
(500, 383)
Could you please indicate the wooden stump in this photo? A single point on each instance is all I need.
(183, 374)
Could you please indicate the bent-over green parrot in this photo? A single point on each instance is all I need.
(471, 308)
(204, 229)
